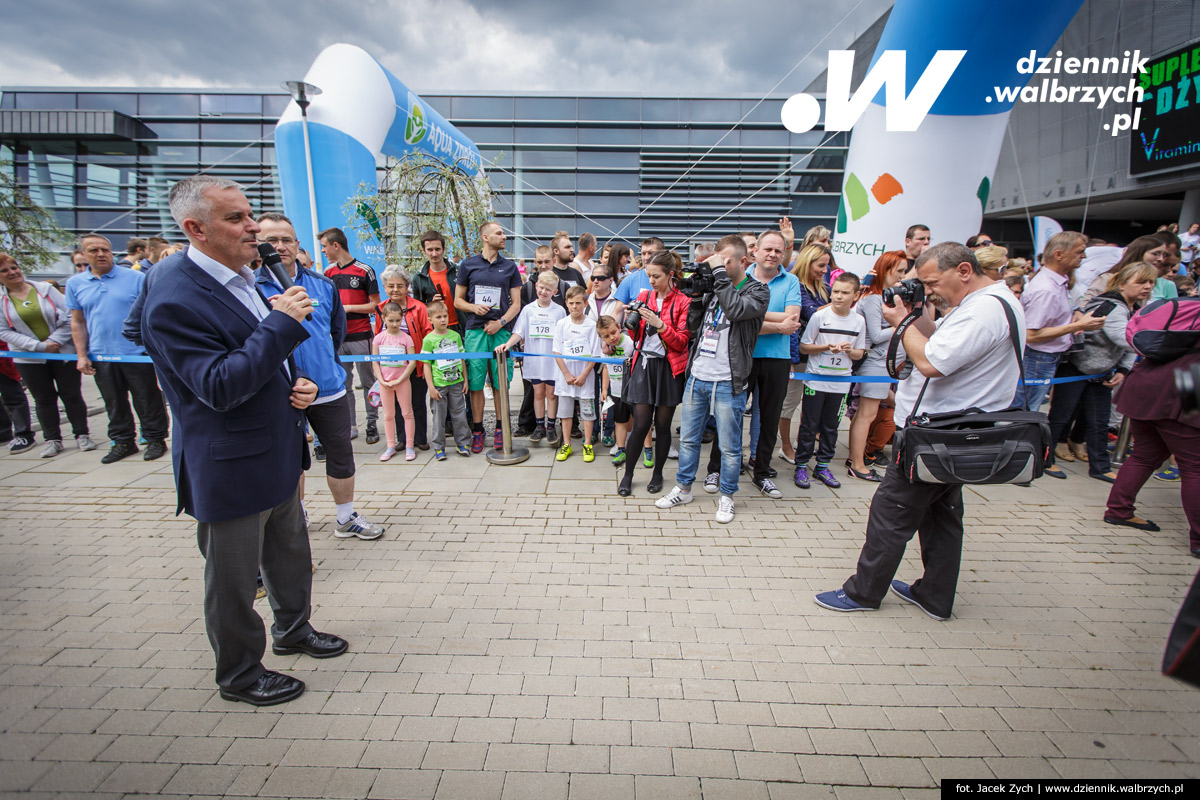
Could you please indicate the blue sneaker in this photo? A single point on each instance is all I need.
(463, 451)
(904, 592)
(440, 455)
(838, 601)
(1170, 475)
(801, 479)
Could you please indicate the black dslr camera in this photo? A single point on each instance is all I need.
(910, 290)
(632, 317)
(1187, 383)
(699, 283)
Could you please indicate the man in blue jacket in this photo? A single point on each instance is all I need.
(329, 415)
(222, 353)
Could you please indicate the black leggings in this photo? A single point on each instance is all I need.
(49, 383)
(643, 415)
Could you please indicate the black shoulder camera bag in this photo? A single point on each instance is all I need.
(974, 446)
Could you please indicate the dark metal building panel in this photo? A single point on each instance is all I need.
(35, 124)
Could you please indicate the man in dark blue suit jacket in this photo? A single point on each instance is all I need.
(221, 351)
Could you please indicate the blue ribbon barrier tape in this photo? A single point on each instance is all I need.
(796, 376)
(568, 358)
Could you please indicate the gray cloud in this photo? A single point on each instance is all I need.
(627, 46)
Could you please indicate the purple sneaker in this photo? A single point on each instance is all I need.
(826, 477)
(802, 477)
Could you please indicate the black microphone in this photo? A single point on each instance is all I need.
(273, 262)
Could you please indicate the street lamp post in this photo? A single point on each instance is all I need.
(302, 92)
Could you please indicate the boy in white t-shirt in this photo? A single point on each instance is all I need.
(617, 344)
(834, 339)
(575, 337)
(535, 327)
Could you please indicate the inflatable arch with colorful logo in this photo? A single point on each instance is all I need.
(363, 114)
(939, 175)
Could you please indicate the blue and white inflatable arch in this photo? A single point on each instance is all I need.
(362, 114)
(940, 174)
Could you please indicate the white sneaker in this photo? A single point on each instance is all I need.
(358, 526)
(673, 452)
(613, 450)
(712, 482)
(85, 442)
(676, 497)
(725, 509)
(53, 447)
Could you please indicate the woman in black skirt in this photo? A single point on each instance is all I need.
(654, 386)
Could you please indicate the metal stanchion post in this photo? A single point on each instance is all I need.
(1121, 449)
(510, 454)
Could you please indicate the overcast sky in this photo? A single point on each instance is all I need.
(629, 46)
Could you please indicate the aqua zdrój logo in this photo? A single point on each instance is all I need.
(415, 129)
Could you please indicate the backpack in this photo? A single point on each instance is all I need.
(1164, 330)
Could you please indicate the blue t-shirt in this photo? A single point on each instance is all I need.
(105, 302)
(488, 283)
(632, 283)
(785, 291)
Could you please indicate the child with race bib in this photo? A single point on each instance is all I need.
(393, 380)
(535, 329)
(447, 389)
(834, 339)
(575, 337)
(617, 344)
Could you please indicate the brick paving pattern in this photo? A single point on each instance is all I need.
(522, 632)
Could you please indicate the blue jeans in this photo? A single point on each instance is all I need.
(701, 398)
(1038, 366)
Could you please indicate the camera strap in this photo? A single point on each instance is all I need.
(894, 345)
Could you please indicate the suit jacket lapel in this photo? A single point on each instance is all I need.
(291, 362)
(220, 293)
(223, 295)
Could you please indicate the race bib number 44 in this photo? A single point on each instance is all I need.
(488, 296)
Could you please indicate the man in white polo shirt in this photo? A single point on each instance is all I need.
(967, 360)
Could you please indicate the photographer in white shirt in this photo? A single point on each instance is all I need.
(968, 360)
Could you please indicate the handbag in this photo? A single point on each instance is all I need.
(1182, 657)
(974, 446)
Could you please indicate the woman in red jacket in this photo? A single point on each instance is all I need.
(654, 386)
(396, 282)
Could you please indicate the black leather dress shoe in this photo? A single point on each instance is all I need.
(316, 644)
(270, 688)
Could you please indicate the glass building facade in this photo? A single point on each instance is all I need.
(684, 169)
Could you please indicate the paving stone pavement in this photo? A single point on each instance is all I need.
(522, 632)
